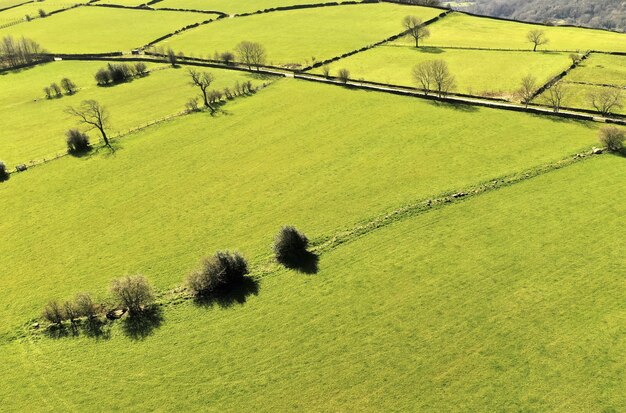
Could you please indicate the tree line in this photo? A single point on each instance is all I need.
(18, 52)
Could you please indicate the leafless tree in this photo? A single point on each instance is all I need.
(613, 138)
(442, 78)
(537, 38)
(171, 57)
(94, 115)
(56, 90)
(326, 71)
(555, 95)
(527, 89)
(415, 28)
(133, 292)
(606, 100)
(343, 75)
(423, 76)
(202, 80)
(18, 52)
(251, 54)
(53, 312)
(68, 86)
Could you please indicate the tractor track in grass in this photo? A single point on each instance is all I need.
(266, 266)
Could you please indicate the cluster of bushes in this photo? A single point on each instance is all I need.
(612, 138)
(4, 174)
(215, 96)
(77, 142)
(55, 91)
(133, 294)
(120, 72)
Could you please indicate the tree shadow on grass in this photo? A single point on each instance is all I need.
(461, 107)
(97, 328)
(430, 50)
(140, 326)
(306, 263)
(236, 294)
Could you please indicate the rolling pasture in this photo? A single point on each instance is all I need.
(578, 96)
(92, 29)
(296, 37)
(34, 127)
(323, 172)
(462, 30)
(429, 314)
(393, 64)
(10, 3)
(231, 6)
(601, 69)
(32, 10)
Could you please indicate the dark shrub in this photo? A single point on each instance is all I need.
(48, 92)
(53, 312)
(290, 246)
(56, 90)
(4, 174)
(227, 57)
(68, 86)
(42, 13)
(613, 138)
(77, 141)
(102, 77)
(85, 305)
(133, 292)
(70, 311)
(119, 72)
(141, 69)
(218, 274)
(343, 75)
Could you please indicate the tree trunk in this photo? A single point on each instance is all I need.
(535, 48)
(104, 137)
(417, 42)
(206, 101)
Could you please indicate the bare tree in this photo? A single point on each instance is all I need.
(202, 80)
(133, 292)
(576, 58)
(422, 74)
(527, 89)
(343, 75)
(56, 90)
(93, 114)
(442, 78)
(555, 96)
(606, 100)
(415, 28)
(613, 138)
(68, 86)
(537, 38)
(171, 57)
(251, 54)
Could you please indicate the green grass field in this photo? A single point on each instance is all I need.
(297, 36)
(601, 69)
(101, 29)
(394, 63)
(9, 3)
(577, 96)
(32, 10)
(231, 6)
(162, 93)
(324, 172)
(461, 30)
(428, 314)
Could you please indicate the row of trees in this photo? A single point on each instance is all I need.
(120, 72)
(250, 54)
(216, 276)
(17, 52)
(54, 90)
(434, 75)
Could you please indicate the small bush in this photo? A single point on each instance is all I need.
(141, 69)
(4, 174)
(102, 77)
(42, 13)
(218, 274)
(56, 90)
(71, 312)
(326, 70)
(227, 57)
(85, 305)
(613, 138)
(77, 141)
(48, 92)
(53, 312)
(133, 292)
(68, 86)
(192, 105)
(343, 75)
(290, 246)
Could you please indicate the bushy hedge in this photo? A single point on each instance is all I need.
(218, 274)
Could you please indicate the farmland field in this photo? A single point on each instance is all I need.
(351, 163)
(298, 36)
(102, 29)
(231, 6)
(9, 3)
(450, 253)
(393, 64)
(427, 314)
(461, 30)
(163, 92)
(601, 69)
(32, 10)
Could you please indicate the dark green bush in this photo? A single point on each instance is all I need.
(133, 292)
(290, 246)
(77, 141)
(4, 174)
(218, 274)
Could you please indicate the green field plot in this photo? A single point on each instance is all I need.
(102, 29)
(461, 30)
(578, 96)
(127, 3)
(477, 72)
(298, 36)
(33, 126)
(177, 191)
(601, 69)
(511, 301)
(231, 6)
(32, 10)
(10, 3)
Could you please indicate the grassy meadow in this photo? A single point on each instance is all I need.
(601, 69)
(92, 29)
(427, 314)
(9, 3)
(461, 30)
(32, 10)
(231, 6)
(577, 96)
(394, 63)
(175, 192)
(162, 93)
(297, 36)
